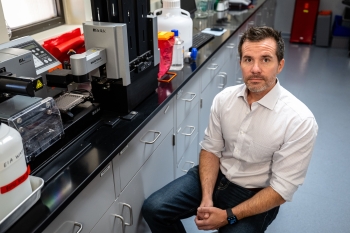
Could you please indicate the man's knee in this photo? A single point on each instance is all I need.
(150, 206)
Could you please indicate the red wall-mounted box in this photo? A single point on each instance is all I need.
(304, 21)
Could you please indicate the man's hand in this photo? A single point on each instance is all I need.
(204, 203)
(216, 218)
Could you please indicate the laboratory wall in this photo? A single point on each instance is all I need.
(283, 19)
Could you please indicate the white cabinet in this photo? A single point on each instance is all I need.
(212, 68)
(186, 132)
(88, 207)
(186, 100)
(143, 144)
(189, 159)
(126, 210)
(207, 97)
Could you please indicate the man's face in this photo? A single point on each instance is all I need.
(260, 65)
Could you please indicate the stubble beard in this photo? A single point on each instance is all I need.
(251, 88)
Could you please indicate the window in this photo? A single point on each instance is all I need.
(27, 17)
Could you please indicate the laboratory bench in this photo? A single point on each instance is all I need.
(99, 181)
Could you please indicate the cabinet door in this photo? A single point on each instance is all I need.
(144, 143)
(88, 207)
(190, 158)
(156, 173)
(209, 71)
(207, 97)
(126, 210)
(229, 73)
(186, 99)
(111, 222)
(186, 132)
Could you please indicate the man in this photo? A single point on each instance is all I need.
(255, 151)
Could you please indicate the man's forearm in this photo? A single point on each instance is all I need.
(208, 173)
(261, 202)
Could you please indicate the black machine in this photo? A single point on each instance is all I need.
(129, 36)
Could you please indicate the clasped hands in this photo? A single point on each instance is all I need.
(209, 217)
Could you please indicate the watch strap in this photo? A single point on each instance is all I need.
(231, 218)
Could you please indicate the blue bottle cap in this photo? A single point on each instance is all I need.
(176, 32)
(194, 52)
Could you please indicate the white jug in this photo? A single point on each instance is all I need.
(173, 17)
(14, 183)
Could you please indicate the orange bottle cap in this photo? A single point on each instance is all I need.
(162, 35)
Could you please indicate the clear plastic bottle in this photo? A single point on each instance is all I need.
(178, 52)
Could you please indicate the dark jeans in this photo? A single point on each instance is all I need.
(180, 199)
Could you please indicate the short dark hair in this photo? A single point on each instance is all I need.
(256, 34)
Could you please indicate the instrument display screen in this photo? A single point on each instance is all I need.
(29, 47)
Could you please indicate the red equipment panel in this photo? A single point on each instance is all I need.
(304, 21)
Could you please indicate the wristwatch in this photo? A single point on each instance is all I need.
(231, 218)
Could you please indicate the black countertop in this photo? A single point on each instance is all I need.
(66, 175)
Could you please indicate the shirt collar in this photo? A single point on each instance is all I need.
(269, 100)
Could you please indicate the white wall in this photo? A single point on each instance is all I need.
(3, 31)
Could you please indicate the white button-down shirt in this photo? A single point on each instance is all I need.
(269, 143)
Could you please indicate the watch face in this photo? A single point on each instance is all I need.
(232, 220)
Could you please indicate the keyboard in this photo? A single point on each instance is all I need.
(200, 39)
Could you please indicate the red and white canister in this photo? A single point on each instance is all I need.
(14, 181)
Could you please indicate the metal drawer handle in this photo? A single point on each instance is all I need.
(79, 225)
(166, 110)
(121, 219)
(131, 217)
(190, 100)
(189, 134)
(190, 162)
(222, 85)
(215, 66)
(156, 132)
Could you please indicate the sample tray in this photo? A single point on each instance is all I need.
(36, 183)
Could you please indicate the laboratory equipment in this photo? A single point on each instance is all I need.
(14, 183)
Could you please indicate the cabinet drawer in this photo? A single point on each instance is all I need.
(186, 100)
(189, 159)
(153, 175)
(208, 72)
(88, 207)
(186, 132)
(143, 144)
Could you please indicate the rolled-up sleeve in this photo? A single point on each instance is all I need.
(291, 161)
(213, 141)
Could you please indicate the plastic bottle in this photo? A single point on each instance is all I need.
(174, 17)
(14, 181)
(178, 52)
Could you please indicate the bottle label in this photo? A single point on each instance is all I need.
(10, 160)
